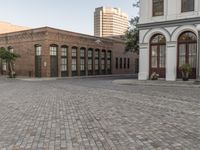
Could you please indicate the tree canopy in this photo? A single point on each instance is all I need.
(7, 55)
(132, 34)
(9, 58)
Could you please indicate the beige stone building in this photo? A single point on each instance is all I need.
(110, 22)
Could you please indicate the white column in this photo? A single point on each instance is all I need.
(198, 58)
(198, 55)
(143, 62)
(171, 61)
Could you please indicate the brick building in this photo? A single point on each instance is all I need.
(49, 52)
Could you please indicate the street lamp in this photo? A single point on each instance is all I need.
(198, 56)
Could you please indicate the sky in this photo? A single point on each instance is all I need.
(71, 15)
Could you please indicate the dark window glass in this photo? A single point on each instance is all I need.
(90, 54)
(63, 64)
(108, 64)
(97, 53)
(103, 54)
(82, 59)
(125, 63)
(117, 65)
(120, 63)
(109, 60)
(109, 54)
(74, 64)
(64, 58)
(96, 59)
(82, 64)
(187, 5)
(128, 63)
(74, 59)
(158, 7)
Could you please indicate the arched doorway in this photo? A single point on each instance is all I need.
(187, 52)
(157, 55)
(53, 60)
(38, 61)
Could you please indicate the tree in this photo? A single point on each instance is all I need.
(136, 3)
(9, 57)
(132, 34)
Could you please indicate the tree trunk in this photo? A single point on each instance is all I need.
(11, 71)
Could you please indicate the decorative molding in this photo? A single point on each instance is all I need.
(170, 23)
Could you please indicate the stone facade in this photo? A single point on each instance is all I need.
(174, 22)
(25, 43)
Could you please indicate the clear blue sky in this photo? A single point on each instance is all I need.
(72, 15)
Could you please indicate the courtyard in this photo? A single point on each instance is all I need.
(97, 114)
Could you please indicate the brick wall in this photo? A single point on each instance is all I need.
(24, 42)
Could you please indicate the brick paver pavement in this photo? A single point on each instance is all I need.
(96, 114)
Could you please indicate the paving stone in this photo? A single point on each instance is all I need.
(96, 114)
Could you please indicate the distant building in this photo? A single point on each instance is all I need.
(8, 27)
(110, 22)
(49, 52)
(169, 37)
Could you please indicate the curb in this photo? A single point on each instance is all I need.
(77, 77)
(159, 83)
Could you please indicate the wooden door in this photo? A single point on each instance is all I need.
(157, 60)
(187, 52)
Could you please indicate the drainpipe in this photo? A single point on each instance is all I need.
(198, 56)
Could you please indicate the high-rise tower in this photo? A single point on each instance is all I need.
(110, 22)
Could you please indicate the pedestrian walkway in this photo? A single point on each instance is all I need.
(95, 114)
(178, 83)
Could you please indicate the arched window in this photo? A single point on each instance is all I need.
(38, 60)
(187, 5)
(74, 61)
(157, 55)
(158, 7)
(82, 61)
(38, 50)
(109, 62)
(187, 51)
(90, 61)
(97, 56)
(3, 64)
(103, 61)
(64, 64)
(54, 60)
(53, 50)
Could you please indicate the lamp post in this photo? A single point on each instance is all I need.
(198, 56)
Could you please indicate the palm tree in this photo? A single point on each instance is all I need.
(9, 57)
